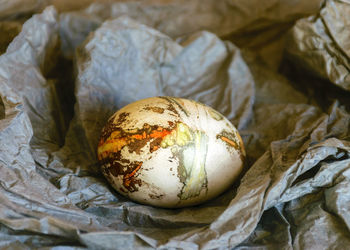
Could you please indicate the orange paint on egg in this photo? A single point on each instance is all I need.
(127, 179)
(115, 144)
(232, 143)
(160, 134)
(135, 141)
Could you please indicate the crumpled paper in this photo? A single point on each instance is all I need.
(65, 73)
(321, 43)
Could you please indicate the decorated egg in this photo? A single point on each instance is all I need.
(170, 152)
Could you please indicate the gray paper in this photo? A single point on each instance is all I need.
(63, 74)
(321, 43)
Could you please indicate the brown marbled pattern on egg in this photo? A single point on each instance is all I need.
(170, 152)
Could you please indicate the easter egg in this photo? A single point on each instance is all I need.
(170, 152)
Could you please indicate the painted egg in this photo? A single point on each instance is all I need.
(170, 152)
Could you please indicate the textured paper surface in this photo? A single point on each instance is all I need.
(277, 69)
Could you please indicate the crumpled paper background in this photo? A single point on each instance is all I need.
(278, 69)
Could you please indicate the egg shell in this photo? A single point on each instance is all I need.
(170, 152)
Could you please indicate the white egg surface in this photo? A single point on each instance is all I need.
(170, 152)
